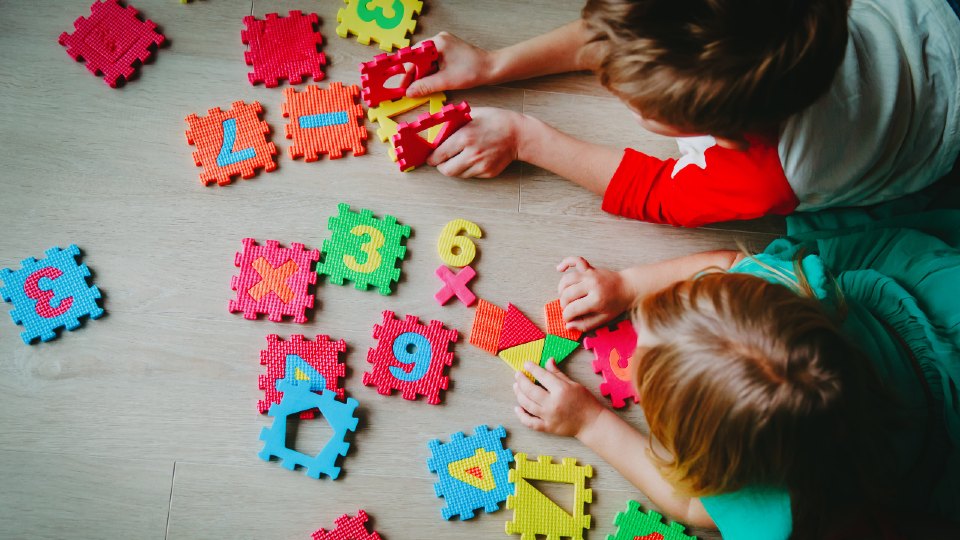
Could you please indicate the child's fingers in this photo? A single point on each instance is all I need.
(450, 148)
(579, 263)
(529, 389)
(528, 404)
(549, 380)
(588, 322)
(573, 292)
(567, 280)
(578, 308)
(528, 420)
(553, 368)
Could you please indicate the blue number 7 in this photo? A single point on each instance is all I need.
(227, 156)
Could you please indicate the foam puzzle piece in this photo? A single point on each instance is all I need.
(557, 348)
(636, 524)
(455, 284)
(472, 471)
(515, 356)
(487, 325)
(49, 294)
(377, 72)
(231, 143)
(388, 26)
(296, 399)
(518, 329)
(412, 149)
(410, 357)
(273, 280)
(363, 249)
(455, 247)
(324, 121)
(613, 356)
(283, 48)
(555, 323)
(348, 528)
(534, 513)
(317, 363)
(112, 41)
(384, 113)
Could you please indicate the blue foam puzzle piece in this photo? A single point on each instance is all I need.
(296, 399)
(316, 382)
(463, 499)
(61, 298)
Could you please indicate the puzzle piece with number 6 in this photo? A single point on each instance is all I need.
(300, 360)
(231, 143)
(635, 524)
(472, 471)
(613, 358)
(387, 26)
(413, 149)
(534, 513)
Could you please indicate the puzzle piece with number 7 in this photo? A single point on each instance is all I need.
(413, 149)
(231, 143)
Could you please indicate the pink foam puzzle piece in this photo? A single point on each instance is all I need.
(283, 48)
(455, 285)
(321, 354)
(274, 280)
(413, 149)
(517, 329)
(613, 352)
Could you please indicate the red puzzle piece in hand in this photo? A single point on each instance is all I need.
(375, 73)
(283, 48)
(412, 149)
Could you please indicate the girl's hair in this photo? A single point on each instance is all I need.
(719, 67)
(748, 383)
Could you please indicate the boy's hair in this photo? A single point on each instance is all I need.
(719, 67)
(746, 383)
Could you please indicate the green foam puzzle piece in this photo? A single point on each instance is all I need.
(557, 348)
(635, 523)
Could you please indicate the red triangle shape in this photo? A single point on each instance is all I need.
(475, 471)
(517, 329)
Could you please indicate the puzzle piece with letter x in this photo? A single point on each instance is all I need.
(324, 121)
(49, 294)
(273, 280)
(412, 149)
(534, 513)
(348, 528)
(635, 524)
(112, 40)
(410, 357)
(376, 73)
(473, 471)
(315, 363)
(613, 359)
(386, 22)
(231, 143)
(283, 48)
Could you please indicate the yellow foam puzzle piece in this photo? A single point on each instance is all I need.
(516, 356)
(388, 22)
(534, 513)
(475, 470)
(383, 115)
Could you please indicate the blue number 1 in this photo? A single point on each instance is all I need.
(227, 155)
(411, 349)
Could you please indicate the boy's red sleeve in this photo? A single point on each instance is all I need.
(736, 184)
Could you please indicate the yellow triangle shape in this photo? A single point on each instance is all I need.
(475, 470)
(516, 356)
(299, 375)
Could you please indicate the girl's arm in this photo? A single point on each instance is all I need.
(564, 407)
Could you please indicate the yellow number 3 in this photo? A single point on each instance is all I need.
(369, 248)
(456, 250)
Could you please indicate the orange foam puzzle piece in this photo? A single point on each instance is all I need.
(487, 324)
(231, 143)
(555, 323)
(324, 121)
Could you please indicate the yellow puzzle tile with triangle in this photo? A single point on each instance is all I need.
(516, 356)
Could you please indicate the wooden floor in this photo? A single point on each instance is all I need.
(143, 424)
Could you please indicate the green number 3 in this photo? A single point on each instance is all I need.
(376, 14)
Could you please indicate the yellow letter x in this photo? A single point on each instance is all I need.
(273, 279)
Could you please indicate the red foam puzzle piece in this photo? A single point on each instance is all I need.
(613, 352)
(283, 48)
(348, 528)
(414, 366)
(210, 133)
(321, 354)
(555, 323)
(273, 280)
(487, 326)
(112, 41)
(517, 329)
(455, 284)
(375, 73)
(324, 121)
(412, 149)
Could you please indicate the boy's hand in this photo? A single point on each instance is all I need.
(591, 296)
(462, 65)
(561, 406)
(483, 148)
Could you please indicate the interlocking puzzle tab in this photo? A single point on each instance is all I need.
(314, 363)
(324, 121)
(455, 285)
(296, 399)
(473, 472)
(49, 294)
(363, 249)
(384, 113)
(231, 143)
(112, 41)
(412, 149)
(386, 22)
(377, 72)
(273, 280)
(534, 513)
(555, 323)
(283, 48)
(348, 528)
(455, 247)
(613, 351)
(410, 357)
(635, 524)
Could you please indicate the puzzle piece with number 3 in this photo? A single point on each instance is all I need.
(472, 471)
(388, 22)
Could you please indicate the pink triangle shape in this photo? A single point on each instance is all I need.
(517, 329)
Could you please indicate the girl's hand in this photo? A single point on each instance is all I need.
(561, 406)
(483, 148)
(462, 65)
(591, 296)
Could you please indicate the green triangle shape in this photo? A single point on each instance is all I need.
(557, 348)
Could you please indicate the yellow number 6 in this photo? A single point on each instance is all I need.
(456, 250)
(369, 248)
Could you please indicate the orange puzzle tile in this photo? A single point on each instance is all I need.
(487, 324)
(324, 121)
(555, 323)
(231, 143)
